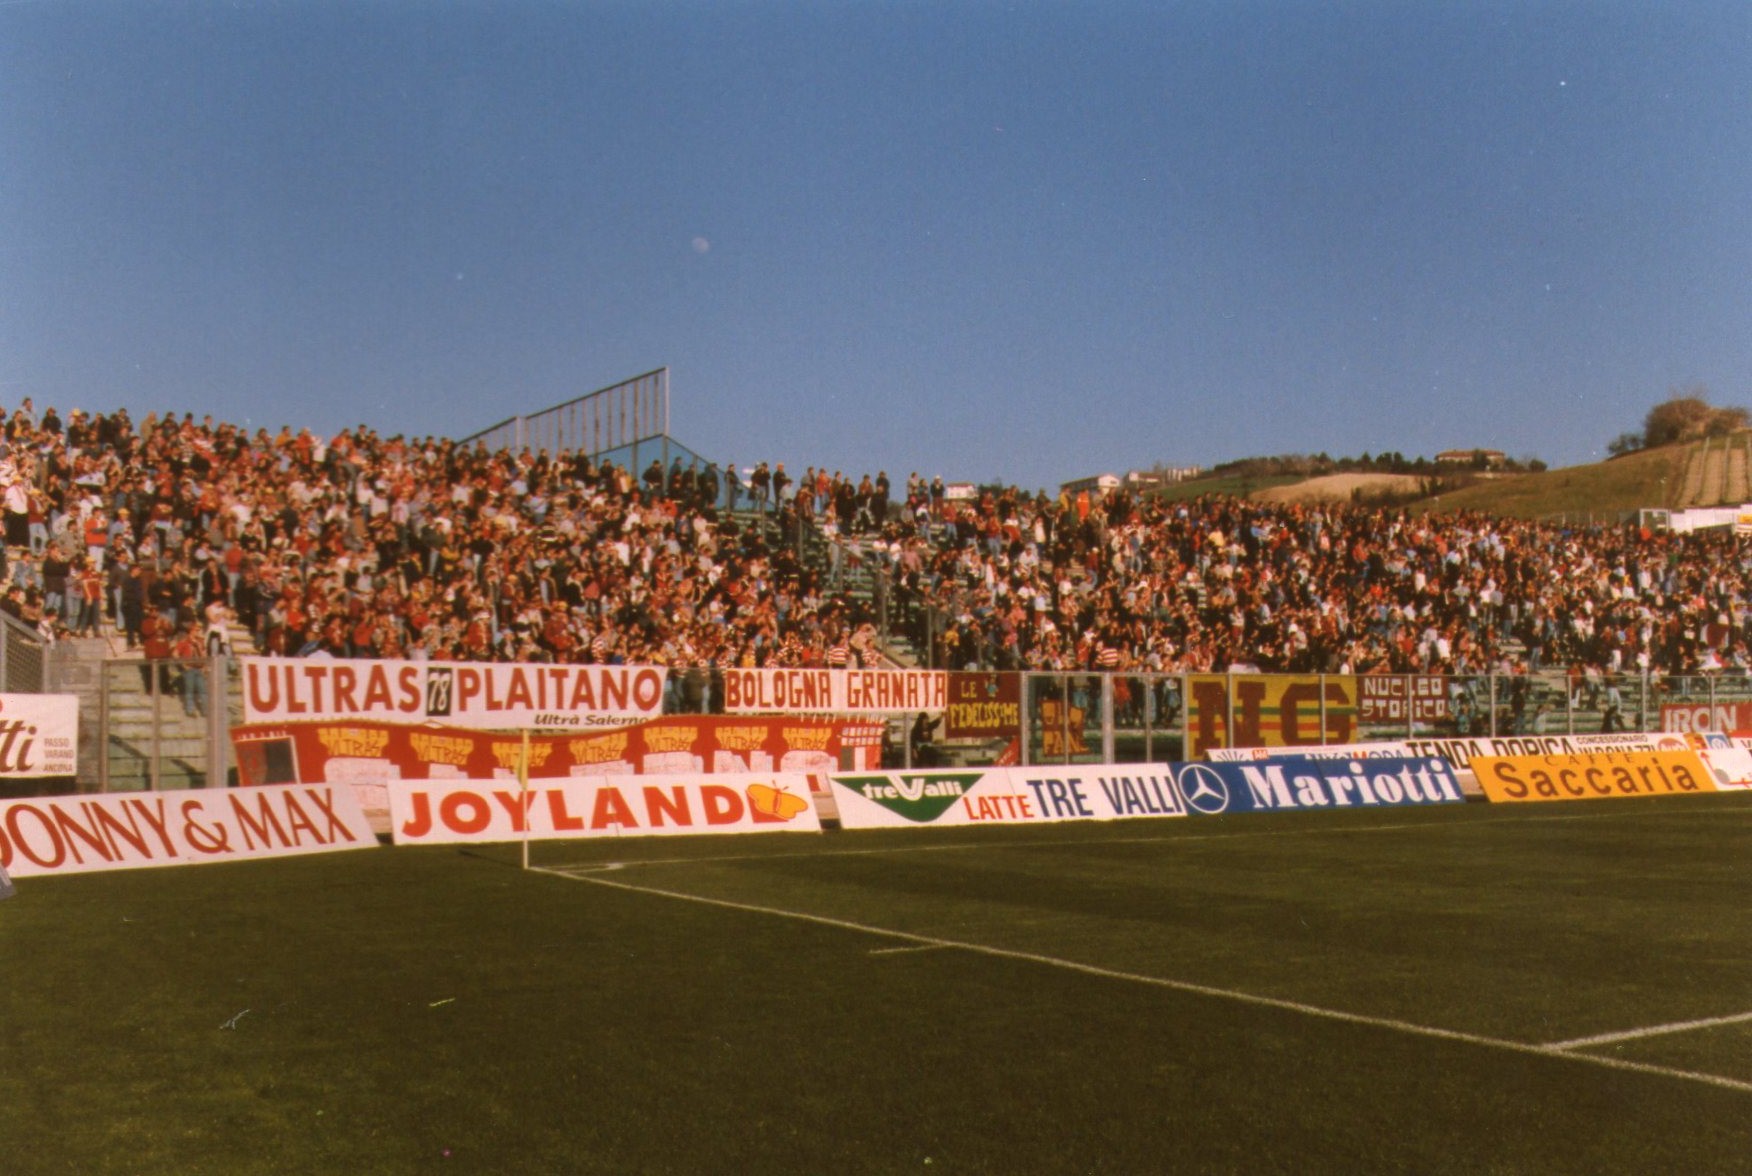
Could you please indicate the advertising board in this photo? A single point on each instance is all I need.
(457, 811)
(1461, 752)
(1288, 783)
(78, 834)
(1004, 796)
(39, 735)
(1591, 775)
(1373, 750)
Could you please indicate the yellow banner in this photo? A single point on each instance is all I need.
(1269, 710)
(1591, 775)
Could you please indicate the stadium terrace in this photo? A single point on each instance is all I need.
(363, 546)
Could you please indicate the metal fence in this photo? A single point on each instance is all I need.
(619, 417)
(136, 732)
(1120, 718)
(22, 657)
(149, 734)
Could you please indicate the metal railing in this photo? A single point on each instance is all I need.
(1147, 718)
(618, 417)
(146, 732)
(136, 721)
(22, 657)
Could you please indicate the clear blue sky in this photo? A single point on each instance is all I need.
(1025, 241)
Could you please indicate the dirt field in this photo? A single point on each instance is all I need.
(1339, 488)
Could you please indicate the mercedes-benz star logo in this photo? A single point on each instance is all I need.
(1203, 788)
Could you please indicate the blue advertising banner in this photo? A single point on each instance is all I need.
(1287, 783)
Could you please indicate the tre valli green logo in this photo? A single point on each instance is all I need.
(918, 796)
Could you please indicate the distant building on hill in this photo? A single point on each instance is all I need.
(1490, 459)
(1161, 476)
(1099, 484)
(1136, 480)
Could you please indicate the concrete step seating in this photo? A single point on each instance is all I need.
(137, 727)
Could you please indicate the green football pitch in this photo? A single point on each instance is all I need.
(1535, 988)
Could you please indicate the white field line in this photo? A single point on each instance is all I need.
(883, 851)
(1648, 1031)
(1388, 1023)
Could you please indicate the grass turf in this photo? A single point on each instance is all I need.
(439, 1010)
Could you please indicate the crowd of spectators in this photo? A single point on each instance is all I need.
(364, 546)
(1024, 582)
(173, 530)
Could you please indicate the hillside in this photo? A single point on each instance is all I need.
(1710, 472)
(1715, 471)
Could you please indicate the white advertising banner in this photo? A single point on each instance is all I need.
(1729, 762)
(480, 695)
(122, 831)
(1459, 752)
(1005, 796)
(436, 811)
(840, 692)
(1238, 755)
(39, 735)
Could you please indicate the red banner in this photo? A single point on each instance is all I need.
(1398, 698)
(983, 706)
(1723, 718)
(372, 752)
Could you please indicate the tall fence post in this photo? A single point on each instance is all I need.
(103, 726)
(218, 721)
(1228, 708)
(1107, 740)
(154, 765)
(1185, 719)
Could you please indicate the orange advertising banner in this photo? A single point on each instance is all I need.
(1591, 775)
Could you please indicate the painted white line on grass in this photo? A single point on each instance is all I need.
(887, 951)
(883, 851)
(1648, 1031)
(1272, 1002)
